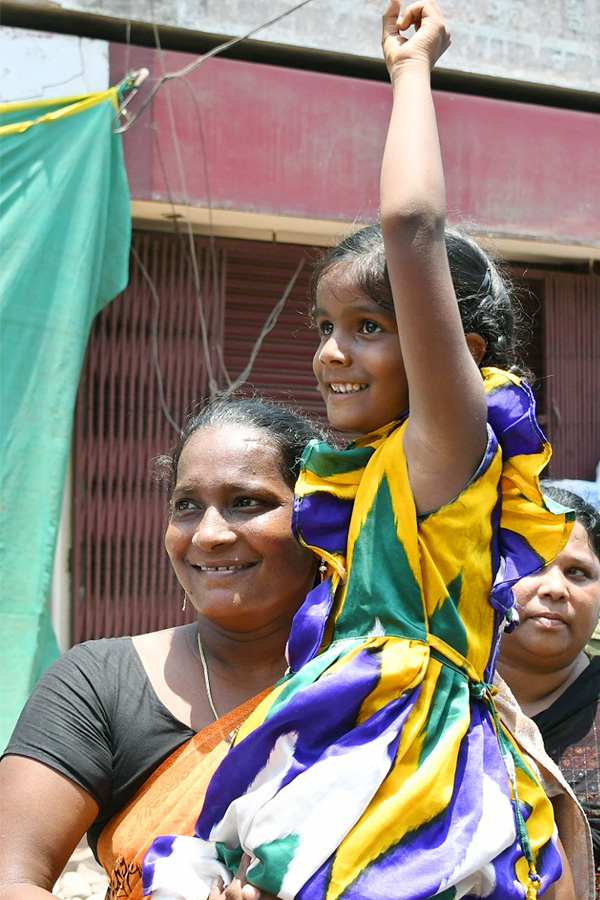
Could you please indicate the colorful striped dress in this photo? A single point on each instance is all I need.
(378, 768)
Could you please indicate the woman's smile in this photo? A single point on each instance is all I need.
(346, 388)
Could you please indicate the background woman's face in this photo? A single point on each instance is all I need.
(558, 608)
(229, 535)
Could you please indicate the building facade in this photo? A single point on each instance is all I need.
(241, 168)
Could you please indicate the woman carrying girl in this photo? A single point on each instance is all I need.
(378, 768)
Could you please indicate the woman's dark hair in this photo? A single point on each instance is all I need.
(288, 429)
(584, 511)
(482, 290)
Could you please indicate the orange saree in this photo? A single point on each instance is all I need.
(167, 803)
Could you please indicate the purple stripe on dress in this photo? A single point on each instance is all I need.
(488, 456)
(322, 520)
(502, 598)
(437, 848)
(413, 869)
(495, 543)
(318, 713)
(504, 869)
(389, 720)
(316, 886)
(160, 848)
(520, 559)
(323, 718)
(511, 413)
(308, 625)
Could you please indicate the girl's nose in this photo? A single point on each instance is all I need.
(333, 351)
(212, 530)
(553, 583)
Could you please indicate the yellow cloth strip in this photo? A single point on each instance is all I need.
(71, 105)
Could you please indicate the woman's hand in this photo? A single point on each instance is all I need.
(239, 889)
(429, 41)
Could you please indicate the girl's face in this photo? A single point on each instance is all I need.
(229, 535)
(558, 608)
(358, 363)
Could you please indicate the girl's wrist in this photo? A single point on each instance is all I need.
(410, 68)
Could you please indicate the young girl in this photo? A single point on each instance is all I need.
(378, 768)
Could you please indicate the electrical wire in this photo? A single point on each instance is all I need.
(267, 327)
(213, 384)
(181, 73)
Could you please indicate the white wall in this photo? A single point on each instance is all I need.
(35, 65)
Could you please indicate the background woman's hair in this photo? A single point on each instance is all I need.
(287, 428)
(486, 297)
(584, 511)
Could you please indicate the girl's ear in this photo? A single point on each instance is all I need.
(476, 345)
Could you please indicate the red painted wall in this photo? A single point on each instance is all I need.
(308, 144)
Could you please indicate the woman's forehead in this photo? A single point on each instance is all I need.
(239, 447)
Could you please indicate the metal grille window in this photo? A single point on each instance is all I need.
(573, 370)
(121, 576)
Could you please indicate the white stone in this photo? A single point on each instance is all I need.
(72, 886)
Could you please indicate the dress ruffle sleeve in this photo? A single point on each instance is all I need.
(532, 530)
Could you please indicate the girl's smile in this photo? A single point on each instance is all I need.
(358, 364)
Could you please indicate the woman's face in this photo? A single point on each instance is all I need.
(558, 608)
(229, 535)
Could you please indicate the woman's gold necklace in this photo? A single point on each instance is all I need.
(211, 702)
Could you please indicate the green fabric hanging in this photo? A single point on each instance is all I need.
(65, 231)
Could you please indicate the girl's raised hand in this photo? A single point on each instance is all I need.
(427, 44)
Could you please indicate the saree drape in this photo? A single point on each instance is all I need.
(168, 801)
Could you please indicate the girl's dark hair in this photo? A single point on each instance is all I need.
(288, 429)
(584, 511)
(484, 293)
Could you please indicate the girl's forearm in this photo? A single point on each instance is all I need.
(412, 176)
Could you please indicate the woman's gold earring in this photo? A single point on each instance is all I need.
(185, 599)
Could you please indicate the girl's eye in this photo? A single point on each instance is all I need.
(370, 327)
(324, 328)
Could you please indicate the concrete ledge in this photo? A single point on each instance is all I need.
(157, 216)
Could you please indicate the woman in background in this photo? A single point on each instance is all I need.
(544, 662)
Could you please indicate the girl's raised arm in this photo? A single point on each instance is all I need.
(446, 436)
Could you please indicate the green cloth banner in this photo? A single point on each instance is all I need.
(65, 232)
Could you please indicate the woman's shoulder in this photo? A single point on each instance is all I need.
(98, 650)
(581, 694)
(116, 651)
(94, 717)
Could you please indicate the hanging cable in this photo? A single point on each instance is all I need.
(267, 327)
(181, 73)
(159, 379)
(129, 82)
